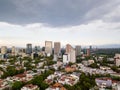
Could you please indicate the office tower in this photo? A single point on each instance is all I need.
(78, 50)
(90, 48)
(68, 48)
(117, 59)
(29, 49)
(48, 48)
(70, 54)
(3, 50)
(13, 50)
(37, 49)
(88, 52)
(57, 48)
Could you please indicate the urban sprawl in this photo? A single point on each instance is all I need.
(54, 68)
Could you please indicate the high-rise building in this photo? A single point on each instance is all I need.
(48, 47)
(90, 48)
(78, 50)
(28, 48)
(13, 50)
(3, 50)
(57, 48)
(37, 49)
(70, 55)
(88, 52)
(68, 48)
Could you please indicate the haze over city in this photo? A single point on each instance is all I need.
(78, 22)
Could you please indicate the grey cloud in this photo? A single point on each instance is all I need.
(55, 12)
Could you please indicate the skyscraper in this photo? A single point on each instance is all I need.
(28, 48)
(72, 55)
(3, 50)
(57, 48)
(78, 50)
(37, 49)
(90, 48)
(48, 47)
(13, 50)
(68, 48)
(70, 52)
(88, 52)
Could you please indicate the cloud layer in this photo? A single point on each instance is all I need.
(83, 22)
(59, 12)
(95, 33)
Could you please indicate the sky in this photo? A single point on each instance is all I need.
(77, 22)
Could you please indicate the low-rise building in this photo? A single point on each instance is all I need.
(90, 62)
(30, 87)
(68, 79)
(103, 82)
(56, 86)
(70, 69)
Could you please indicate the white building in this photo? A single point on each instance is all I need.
(90, 62)
(66, 58)
(70, 55)
(3, 50)
(55, 57)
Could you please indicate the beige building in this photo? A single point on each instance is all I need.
(3, 50)
(70, 55)
(90, 62)
(57, 48)
(48, 47)
(68, 48)
(88, 52)
(13, 50)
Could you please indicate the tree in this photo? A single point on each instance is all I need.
(86, 81)
(11, 70)
(43, 86)
(94, 65)
(115, 68)
(17, 85)
(37, 80)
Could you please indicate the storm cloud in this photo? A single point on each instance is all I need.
(77, 22)
(59, 13)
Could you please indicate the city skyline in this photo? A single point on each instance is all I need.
(75, 22)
